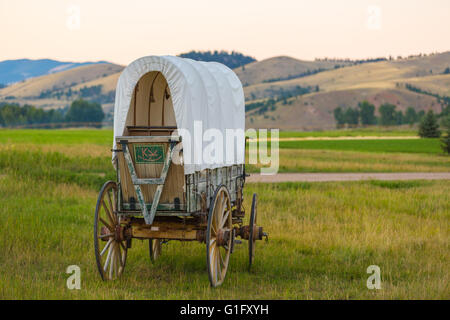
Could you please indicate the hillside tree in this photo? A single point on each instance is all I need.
(339, 117)
(388, 116)
(351, 117)
(410, 116)
(85, 111)
(367, 113)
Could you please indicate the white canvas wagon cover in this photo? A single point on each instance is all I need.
(205, 93)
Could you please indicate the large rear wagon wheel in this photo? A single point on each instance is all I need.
(219, 236)
(109, 246)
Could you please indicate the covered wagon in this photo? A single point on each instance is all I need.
(179, 153)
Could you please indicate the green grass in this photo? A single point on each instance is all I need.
(422, 155)
(431, 146)
(323, 236)
(304, 160)
(67, 137)
(368, 132)
(57, 167)
(77, 136)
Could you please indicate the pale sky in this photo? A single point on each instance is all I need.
(121, 31)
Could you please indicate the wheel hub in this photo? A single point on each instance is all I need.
(223, 236)
(119, 233)
(103, 232)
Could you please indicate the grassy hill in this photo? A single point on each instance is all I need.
(281, 68)
(331, 83)
(50, 91)
(12, 71)
(378, 82)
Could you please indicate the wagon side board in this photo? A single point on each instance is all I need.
(152, 190)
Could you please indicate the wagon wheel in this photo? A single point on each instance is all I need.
(154, 246)
(219, 236)
(109, 243)
(251, 238)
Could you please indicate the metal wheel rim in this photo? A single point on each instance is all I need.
(251, 240)
(110, 255)
(155, 249)
(219, 218)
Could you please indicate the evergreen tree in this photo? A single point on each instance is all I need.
(445, 140)
(429, 127)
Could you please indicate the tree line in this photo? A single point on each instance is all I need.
(12, 114)
(429, 126)
(93, 93)
(278, 94)
(364, 115)
(231, 60)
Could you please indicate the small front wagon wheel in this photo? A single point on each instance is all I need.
(109, 243)
(252, 230)
(219, 236)
(154, 246)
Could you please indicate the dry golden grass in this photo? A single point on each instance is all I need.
(91, 150)
(278, 67)
(292, 160)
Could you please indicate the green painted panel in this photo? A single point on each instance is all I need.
(149, 153)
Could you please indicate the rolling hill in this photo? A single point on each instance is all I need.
(12, 71)
(330, 84)
(280, 68)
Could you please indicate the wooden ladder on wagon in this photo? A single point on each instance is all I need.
(137, 182)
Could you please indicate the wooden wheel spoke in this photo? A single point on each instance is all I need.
(108, 258)
(118, 260)
(225, 218)
(108, 235)
(106, 224)
(221, 263)
(216, 261)
(106, 247)
(113, 258)
(108, 213)
(113, 216)
(213, 230)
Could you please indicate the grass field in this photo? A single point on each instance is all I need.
(323, 236)
(360, 132)
(307, 160)
(322, 239)
(418, 155)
